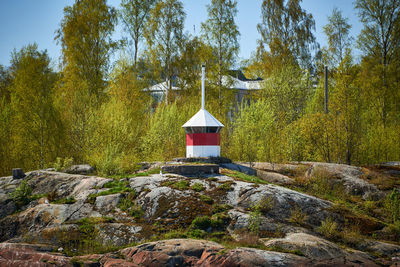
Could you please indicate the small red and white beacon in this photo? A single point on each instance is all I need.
(202, 131)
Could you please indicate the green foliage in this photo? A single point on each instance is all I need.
(134, 15)
(227, 186)
(115, 187)
(264, 205)
(68, 200)
(392, 205)
(221, 32)
(297, 216)
(165, 138)
(252, 134)
(288, 30)
(84, 35)
(202, 223)
(328, 228)
(128, 205)
(164, 35)
(198, 187)
(206, 199)
(196, 233)
(62, 164)
(243, 177)
(218, 208)
(37, 128)
(86, 239)
(337, 31)
(21, 194)
(254, 220)
(180, 185)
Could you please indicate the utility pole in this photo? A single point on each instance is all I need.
(326, 90)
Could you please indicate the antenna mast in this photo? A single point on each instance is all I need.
(203, 74)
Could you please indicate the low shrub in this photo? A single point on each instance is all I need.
(206, 199)
(328, 228)
(180, 185)
(68, 200)
(196, 233)
(225, 186)
(62, 164)
(217, 208)
(265, 204)
(201, 222)
(198, 187)
(392, 205)
(21, 195)
(298, 216)
(254, 221)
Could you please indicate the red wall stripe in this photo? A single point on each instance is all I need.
(203, 139)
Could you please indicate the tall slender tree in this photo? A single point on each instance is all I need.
(380, 42)
(337, 31)
(164, 35)
(85, 37)
(221, 32)
(36, 124)
(134, 15)
(287, 29)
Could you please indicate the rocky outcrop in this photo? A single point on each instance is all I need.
(80, 169)
(189, 252)
(67, 209)
(26, 256)
(239, 167)
(320, 250)
(350, 177)
(275, 178)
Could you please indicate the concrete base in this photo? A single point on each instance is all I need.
(213, 160)
(191, 169)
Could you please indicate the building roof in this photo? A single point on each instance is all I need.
(203, 119)
(161, 87)
(227, 80)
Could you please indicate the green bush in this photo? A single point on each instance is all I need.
(202, 222)
(196, 233)
(206, 199)
(128, 205)
(174, 234)
(392, 205)
(62, 164)
(22, 193)
(225, 186)
(298, 216)
(217, 208)
(328, 228)
(219, 220)
(254, 221)
(181, 185)
(198, 187)
(265, 204)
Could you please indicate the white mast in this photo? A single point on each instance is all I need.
(203, 74)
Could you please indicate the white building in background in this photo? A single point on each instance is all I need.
(239, 83)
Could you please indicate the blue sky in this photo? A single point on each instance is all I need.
(27, 21)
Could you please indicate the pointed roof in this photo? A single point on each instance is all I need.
(201, 119)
